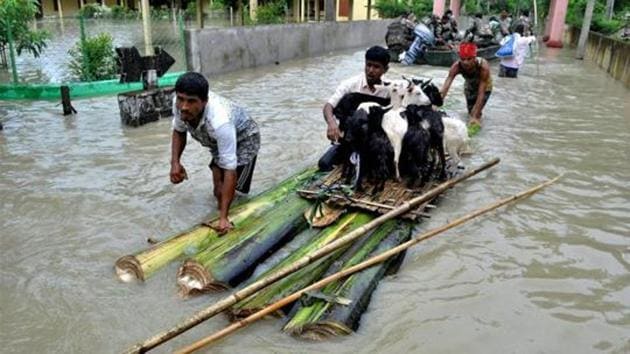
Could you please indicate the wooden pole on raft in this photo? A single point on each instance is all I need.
(363, 265)
(300, 263)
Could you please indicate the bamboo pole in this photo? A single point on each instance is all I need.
(237, 296)
(363, 265)
(363, 201)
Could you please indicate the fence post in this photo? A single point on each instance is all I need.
(12, 53)
(84, 63)
(182, 35)
(586, 26)
(146, 26)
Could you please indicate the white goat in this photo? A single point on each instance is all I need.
(415, 95)
(455, 139)
(397, 90)
(395, 126)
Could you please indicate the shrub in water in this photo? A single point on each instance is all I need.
(94, 59)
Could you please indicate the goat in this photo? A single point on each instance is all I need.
(414, 155)
(455, 139)
(432, 120)
(395, 126)
(397, 90)
(351, 101)
(428, 90)
(377, 156)
(355, 137)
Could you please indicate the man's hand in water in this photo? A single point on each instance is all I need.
(223, 226)
(178, 173)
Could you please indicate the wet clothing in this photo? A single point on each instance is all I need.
(521, 50)
(473, 79)
(244, 174)
(358, 84)
(472, 99)
(226, 129)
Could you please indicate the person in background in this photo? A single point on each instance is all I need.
(505, 21)
(220, 125)
(525, 21)
(509, 66)
(448, 15)
(376, 64)
(477, 84)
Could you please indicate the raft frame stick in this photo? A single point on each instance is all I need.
(361, 266)
(239, 295)
(362, 201)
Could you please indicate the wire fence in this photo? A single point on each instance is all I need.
(53, 65)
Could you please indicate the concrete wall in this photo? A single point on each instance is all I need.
(214, 51)
(610, 54)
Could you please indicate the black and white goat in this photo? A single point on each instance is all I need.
(377, 157)
(351, 101)
(432, 121)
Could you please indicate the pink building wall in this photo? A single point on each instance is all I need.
(557, 14)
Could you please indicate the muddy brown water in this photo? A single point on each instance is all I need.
(550, 274)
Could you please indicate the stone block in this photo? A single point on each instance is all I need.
(140, 107)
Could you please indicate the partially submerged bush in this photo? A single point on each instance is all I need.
(94, 10)
(271, 12)
(120, 12)
(94, 59)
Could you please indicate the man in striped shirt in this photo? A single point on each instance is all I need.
(220, 125)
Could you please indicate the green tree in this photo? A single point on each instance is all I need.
(395, 8)
(16, 15)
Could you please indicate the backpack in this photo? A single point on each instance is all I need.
(508, 47)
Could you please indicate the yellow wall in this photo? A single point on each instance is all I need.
(359, 11)
(69, 7)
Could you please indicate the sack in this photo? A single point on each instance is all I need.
(508, 48)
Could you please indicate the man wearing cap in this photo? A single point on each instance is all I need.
(376, 64)
(222, 126)
(477, 84)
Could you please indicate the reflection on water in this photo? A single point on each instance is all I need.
(550, 274)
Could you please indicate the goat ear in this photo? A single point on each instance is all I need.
(417, 81)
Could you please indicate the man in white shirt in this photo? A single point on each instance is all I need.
(220, 125)
(509, 66)
(376, 64)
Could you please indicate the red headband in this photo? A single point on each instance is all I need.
(467, 50)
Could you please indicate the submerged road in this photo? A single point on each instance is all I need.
(550, 274)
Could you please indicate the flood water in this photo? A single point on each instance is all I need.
(549, 274)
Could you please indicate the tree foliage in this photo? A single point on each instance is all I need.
(575, 15)
(271, 12)
(17, 15)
